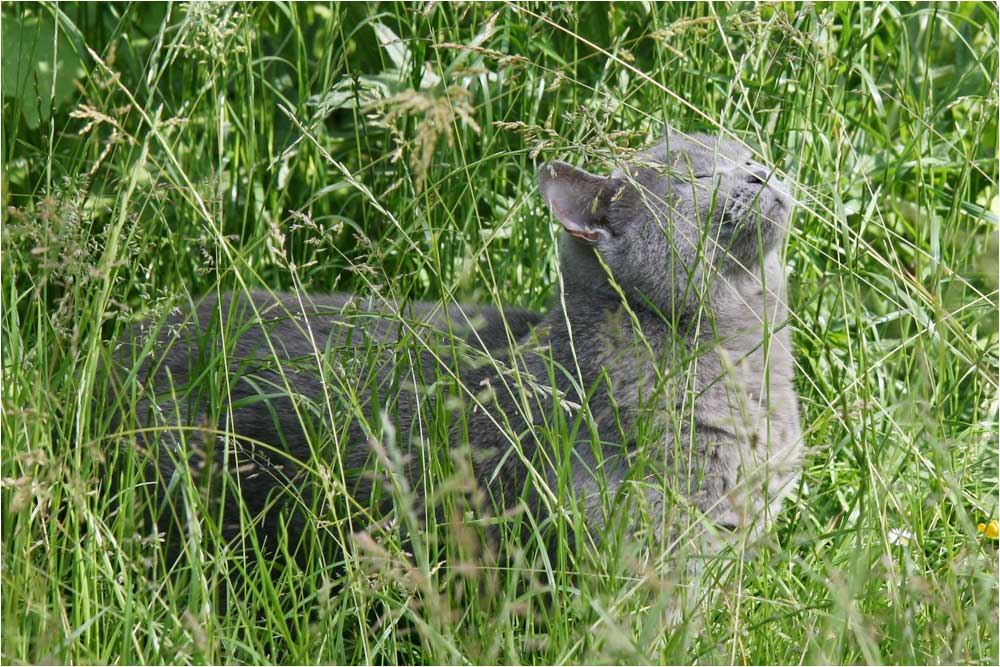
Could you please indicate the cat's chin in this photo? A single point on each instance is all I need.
(777, 216)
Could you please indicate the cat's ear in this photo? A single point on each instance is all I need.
(578, 199)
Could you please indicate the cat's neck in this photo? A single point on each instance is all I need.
(596, 336)
(591, 331)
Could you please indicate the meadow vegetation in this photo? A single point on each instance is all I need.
(156, 152)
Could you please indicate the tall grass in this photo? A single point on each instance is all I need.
(390, 149)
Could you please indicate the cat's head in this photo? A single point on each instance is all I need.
(677, 217)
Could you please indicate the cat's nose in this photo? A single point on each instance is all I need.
(756, 174)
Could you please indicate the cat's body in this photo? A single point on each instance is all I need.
(295, 365)
(679, 361)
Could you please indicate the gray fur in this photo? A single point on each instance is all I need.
(690, 232)
(693, 369)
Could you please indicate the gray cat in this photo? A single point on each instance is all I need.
(664, 358)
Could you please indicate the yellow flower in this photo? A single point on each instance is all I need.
(991, 529)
